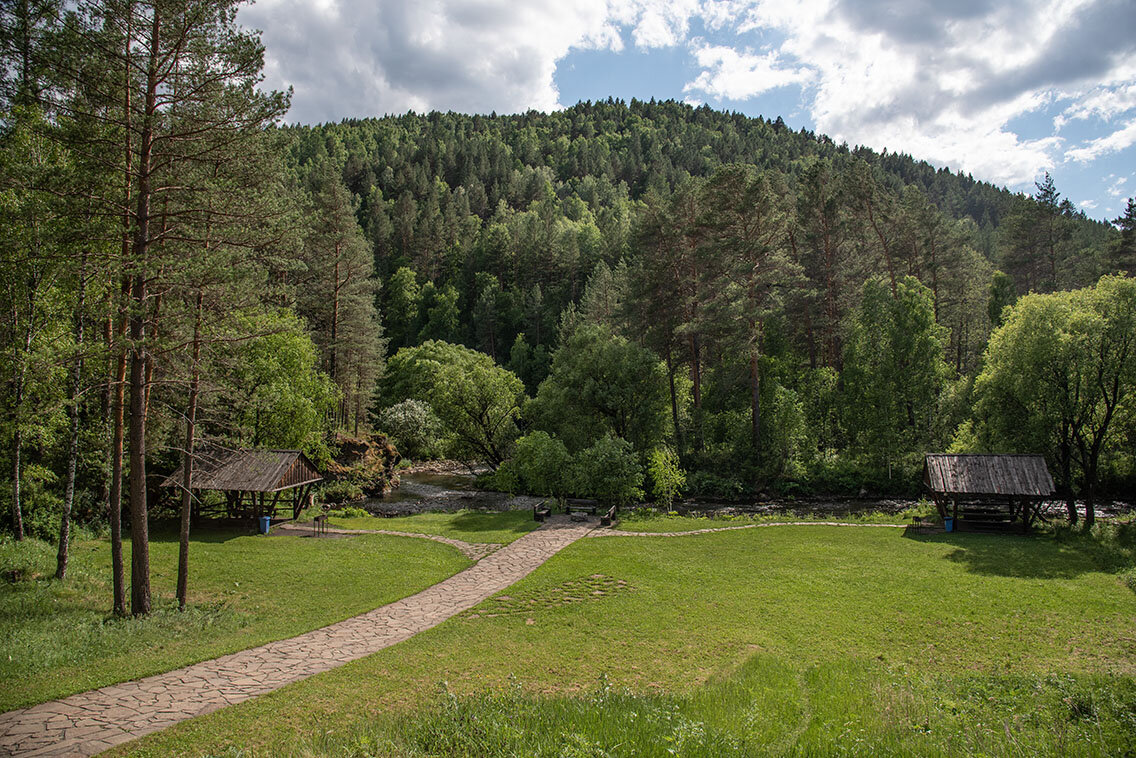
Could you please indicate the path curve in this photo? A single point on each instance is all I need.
(475, 551)
(91, 722)
(617, 533)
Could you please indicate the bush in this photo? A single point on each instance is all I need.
(338, 493)
(348, 512)
(608, 471)
(415, 428)
(711, 485)
(666, 476)
(540, 463)
(40, 505)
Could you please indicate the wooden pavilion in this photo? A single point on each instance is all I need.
(988, 492)
(254, 481)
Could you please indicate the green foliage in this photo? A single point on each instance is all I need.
(416, 429)
(541, 464)
(341, 492)
(893, 371)
(476, 400)
(1058, 379)
(280, 399)
(665, 475)
(41, 502)
(402, 301)
(1002, 295)
(710, 484)
(608, 471)
(602, 384)
(347, 512)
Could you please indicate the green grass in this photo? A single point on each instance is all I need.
(649, 520)
(469, 526)
(58, 638)
(769, 707)
(859, 640)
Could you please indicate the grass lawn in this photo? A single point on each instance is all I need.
(469, 526)
(649, 520)
(58, 638)
(789, 640)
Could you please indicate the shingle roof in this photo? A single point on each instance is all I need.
(244, 470)
(1017, 475)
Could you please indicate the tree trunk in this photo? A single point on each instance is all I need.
(1066, 466)
(118, 433)
(187, 465)
(118, 381)
(755, 398)
(674, 400)
(19, 363)
(139, 527)
(73, 413)
(17, 443)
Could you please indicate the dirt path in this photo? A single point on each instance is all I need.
(90, 722)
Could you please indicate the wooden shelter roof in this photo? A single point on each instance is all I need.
(1012, 475)
(244, 470)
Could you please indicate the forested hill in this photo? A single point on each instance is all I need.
(535, 201)
(643, 145)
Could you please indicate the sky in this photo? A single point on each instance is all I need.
(1002, 89)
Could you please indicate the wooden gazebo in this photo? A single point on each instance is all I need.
(254, 481)
(988, 492)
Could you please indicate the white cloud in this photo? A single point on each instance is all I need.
(732, 75)
(369, 57)
(947, 82)
(943, 81)
(1110, 143)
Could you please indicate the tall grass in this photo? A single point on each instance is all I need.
(770, 708)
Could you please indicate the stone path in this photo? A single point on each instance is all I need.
(93, 721)
(475, 551)
(617, 533)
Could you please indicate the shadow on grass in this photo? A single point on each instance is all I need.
(1057, 554)
(206, 531)
(505, 521)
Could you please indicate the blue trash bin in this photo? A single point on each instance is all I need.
(949, 524)
(265, 523)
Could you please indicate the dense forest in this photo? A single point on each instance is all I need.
(623, 300)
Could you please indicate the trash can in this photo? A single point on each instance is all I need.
(949, 524)
(266, 522)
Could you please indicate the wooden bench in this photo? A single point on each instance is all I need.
(581, 505)
(541, 511)
(320, 524)
(608, 517)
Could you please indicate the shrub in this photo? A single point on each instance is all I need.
(608, 471)
(338, 493)
(415, 428)
(39, 502)
(540, 463)
(711, 485)
(666, 476)
(348, 512)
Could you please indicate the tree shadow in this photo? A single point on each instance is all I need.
(1033, 556)
(206, 531)
(478, 521)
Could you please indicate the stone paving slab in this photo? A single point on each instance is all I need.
(90, 722)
